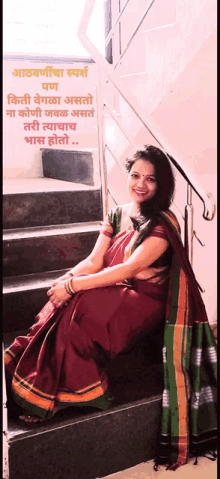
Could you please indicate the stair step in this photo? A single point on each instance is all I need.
(52, 230)
(85, 444)
(39, 249)
(23, 297)
(49, 204)
(16, 284)
(40, 185)
(68, 165)
(111, 441)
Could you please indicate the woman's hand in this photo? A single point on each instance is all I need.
(58, 295)
(62, 278)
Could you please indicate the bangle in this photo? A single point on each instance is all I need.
(66, 286)
(70, 286)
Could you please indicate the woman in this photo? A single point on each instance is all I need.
(105, 302)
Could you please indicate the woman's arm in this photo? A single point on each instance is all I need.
(145, 254)
(148, 252)
(93, 263)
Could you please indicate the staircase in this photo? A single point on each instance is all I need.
(49, 226)
(46, 232)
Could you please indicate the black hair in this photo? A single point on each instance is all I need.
(163, 197)
(164, 177)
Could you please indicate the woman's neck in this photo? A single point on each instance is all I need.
(135, 210)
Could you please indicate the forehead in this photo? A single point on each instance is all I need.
(143, 167)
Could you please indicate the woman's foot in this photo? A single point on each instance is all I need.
(31, 419)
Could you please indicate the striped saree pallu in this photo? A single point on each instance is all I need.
(189, 413)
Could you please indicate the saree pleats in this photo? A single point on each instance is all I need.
(39, 383)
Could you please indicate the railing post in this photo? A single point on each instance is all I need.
(108, 26)
(5, 424)
(102, 164)
(188, 233)
(119, 27)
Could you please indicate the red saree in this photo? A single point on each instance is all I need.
(59, 362)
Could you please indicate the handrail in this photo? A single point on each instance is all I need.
(111, 33)
(134, 32)
(206, 197)
(118, 123)
(116, 159)
(102, 165)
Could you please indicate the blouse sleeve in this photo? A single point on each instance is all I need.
(159, 232)
(107, 228)
(112, 222)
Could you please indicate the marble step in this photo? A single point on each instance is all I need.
(86, 443)
(41, 249)
(44, 201)
(23, 297)
(75, 166)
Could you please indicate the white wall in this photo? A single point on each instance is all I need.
(188, 119)
(173, 76)
(170, 36)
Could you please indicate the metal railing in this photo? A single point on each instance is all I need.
(147, 122)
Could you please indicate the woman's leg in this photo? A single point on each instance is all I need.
(66, 353)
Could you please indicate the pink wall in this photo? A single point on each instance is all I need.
(187, 116)
(187, 119)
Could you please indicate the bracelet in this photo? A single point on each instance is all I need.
(66, 286)
(70, 286)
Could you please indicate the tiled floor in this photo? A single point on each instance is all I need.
(205, 469)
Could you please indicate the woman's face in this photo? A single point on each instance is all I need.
(142, 183)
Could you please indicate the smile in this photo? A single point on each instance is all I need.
(140, 192)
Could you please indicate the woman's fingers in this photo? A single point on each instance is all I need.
(59, 280)
(53, 298)
(55, 302)
(58, 295)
